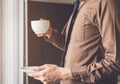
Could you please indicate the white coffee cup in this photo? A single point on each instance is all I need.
(40, 26)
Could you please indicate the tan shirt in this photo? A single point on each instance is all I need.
(93, 53)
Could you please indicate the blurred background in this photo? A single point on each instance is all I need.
(19, 46)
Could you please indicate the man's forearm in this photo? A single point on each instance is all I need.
(56, 38)
(97, 71)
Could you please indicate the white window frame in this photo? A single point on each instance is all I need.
(1, 42)
(13, 41)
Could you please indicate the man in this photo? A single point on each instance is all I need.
(93, 52)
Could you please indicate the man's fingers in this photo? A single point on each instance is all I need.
(39, 35)
(42, 79)
(42, 19)
(43, 67)
(44, 73)
(38, 74)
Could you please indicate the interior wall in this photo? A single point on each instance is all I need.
(40, 51)
(0, 41)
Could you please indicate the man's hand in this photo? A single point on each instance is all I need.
(47, 34)
(50, 73)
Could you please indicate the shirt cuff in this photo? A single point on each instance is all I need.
(81, 76)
